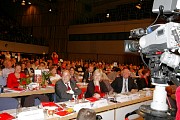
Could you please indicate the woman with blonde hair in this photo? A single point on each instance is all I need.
(96, 88)
(54, 77)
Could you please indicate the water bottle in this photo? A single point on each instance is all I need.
(76, 100)
(83, 97)
(1, 88)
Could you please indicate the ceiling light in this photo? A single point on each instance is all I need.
(29, 3)
(107, 15)
(23, 2)
(138, 6)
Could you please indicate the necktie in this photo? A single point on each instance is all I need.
(90, 75)
(68, 87)
(125, 86)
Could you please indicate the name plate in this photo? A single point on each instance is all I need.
(31, 115)
(100, 103)
(122, 98)
(77, 107)
(134, 96)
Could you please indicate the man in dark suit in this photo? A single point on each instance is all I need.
(29, 71)
(66, 89)
(88, 75)
(124, 84)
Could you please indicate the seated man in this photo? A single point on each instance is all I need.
(66, 89)
(124, 84)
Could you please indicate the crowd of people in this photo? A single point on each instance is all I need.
(101, 77)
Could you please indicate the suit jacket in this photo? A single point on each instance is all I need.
(141, 82)
(27, 72)
(61, 88)
(117, 84)
(91, 89)
(12, 81)
(86, 76)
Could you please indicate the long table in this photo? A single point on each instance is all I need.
(13, 93)
(48, 89)
(113, 111)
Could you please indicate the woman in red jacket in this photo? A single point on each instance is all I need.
(14, 78)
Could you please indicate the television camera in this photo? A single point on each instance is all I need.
(160, 43)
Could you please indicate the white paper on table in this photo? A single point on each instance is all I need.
(134, 96)
(100, 103)
(31, 115)
(77, 107)
(122, 98)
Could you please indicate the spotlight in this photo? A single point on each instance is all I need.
(50, 10)
(29, 3)
(107, 15)
(138, 6)
(23, 2)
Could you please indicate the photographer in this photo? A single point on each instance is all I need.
(54, 57)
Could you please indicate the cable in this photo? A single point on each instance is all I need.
(161, 8)
(169, 103)
(143, 59)
(154, 20)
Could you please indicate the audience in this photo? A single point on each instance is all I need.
(98, 81)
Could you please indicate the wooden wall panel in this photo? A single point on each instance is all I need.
(20, 47)
(121, 26)
(83, 56)
(109, 58)
(100, 47)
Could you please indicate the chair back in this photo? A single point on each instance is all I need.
(8, 103)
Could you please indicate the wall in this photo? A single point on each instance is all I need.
(20, 47)
(121, 26)
(104, 50)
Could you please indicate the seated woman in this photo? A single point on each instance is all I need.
(14, 78)
(106, 80)
(144, 81)
(96, 88)
(13, 82)
(54, 77)
(73, 75)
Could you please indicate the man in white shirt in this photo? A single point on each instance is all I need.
(6, 71)
(125, 83)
